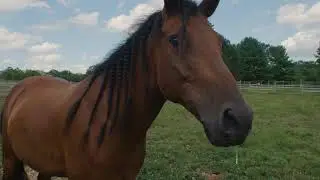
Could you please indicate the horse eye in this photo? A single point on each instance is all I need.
(173, 39)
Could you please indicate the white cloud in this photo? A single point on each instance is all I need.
(47, 58)
(299, 14)
(43, 48)
(14, 5)
(303, 43)
(89, 19)
(5, 63)
(15, 40)
(85, 19)
(44, 62)
(78, 68)
(56, 26)
(44, 56)
(12, 40)
(40, 54)
(64, 2)
(123, 21)
(306, 20)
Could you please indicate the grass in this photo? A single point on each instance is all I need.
(285, 143)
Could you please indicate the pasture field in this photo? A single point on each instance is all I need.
(284, 144)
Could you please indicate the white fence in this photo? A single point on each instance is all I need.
(275, 86)
(281, 86)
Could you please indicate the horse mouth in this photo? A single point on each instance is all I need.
(219, 140)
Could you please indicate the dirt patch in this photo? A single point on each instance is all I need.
(33, 174)
(212, 176)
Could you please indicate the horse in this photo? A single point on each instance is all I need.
(95, 129)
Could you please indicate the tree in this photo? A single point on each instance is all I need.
(54, 73)
(29, 73)
(306, 71)
(317, 55)
(18, 74)
(231, 57)
(13, 74)
(253, 60)
(90, 69)
(281, 67)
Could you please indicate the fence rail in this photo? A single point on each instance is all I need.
(264, 87)
(293, 87)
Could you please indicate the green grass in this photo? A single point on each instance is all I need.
(285, 143)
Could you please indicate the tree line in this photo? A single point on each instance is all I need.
(17, 74)
(252, 60)
(248, 60)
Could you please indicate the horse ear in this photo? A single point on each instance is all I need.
(172, 6)
(208, 7)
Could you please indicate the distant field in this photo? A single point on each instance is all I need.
(285, 143)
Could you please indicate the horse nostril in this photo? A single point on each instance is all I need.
(230, 122)
(234, 123)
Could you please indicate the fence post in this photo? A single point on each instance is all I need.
(301, 86)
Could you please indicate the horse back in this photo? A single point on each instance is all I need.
(33, 114)
(37, 90)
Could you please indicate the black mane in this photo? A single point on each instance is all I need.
(118, 69)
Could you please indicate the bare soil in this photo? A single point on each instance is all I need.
(33, 174)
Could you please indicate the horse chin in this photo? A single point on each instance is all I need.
(216, 139)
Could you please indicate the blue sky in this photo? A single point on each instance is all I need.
(74, 34)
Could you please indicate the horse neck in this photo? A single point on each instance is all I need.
(146, 102)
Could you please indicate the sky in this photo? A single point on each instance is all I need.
(74, 34)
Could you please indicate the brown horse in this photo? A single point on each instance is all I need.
(96, 129)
